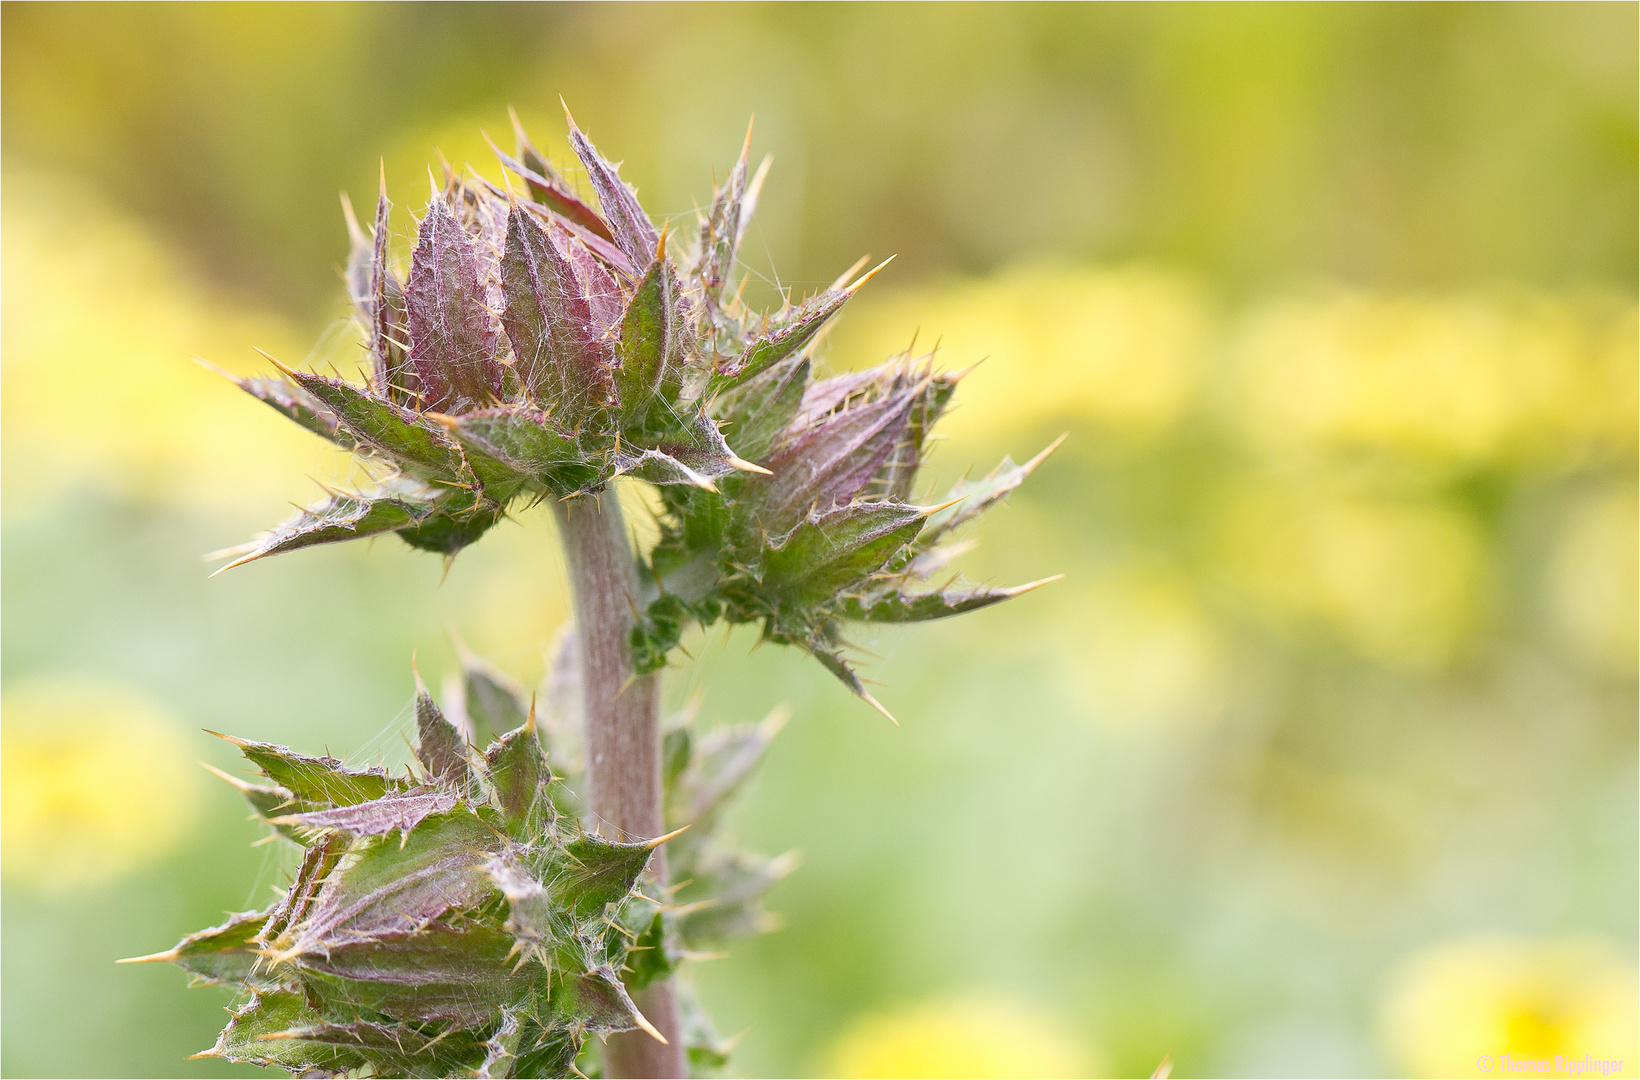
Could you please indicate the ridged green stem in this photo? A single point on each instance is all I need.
(623, 741)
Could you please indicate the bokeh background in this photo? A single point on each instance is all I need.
(1321, 760)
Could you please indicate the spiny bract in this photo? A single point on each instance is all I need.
(463, 921)
(540, 348)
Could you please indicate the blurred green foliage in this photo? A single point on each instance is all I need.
(1336, 301)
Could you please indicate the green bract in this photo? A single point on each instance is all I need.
(456, 921)
(539, 348)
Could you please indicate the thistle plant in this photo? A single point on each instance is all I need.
(485, 913)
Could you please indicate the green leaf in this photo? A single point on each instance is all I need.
(416, 445)
(649, 959)
(899, 606)
(717, 765)
(787, 338)
(593, 871)
(533, 445)
(518, 771)
(650, 353)
(833, 550)
(296, 404)
(258, 1034)
(395, 1049)
(492, 700)
(341, 517)
(758, 410)
(454, 524)
(980, 495)
(439, 972)
(325, 780)
(226, 953)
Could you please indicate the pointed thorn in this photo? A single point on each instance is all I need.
(930, 511)
(852, 289)
(222, 371)
(227, 738)
(1051, 447)
(382, 190)
(269, 357)
(211, 1053)
(659, 840)
(230, 552)
(1021, 590)
(843, 278)
(567, 117)
(875, 704)
(746, 466)
(238, 784)
(647, 1026)
(354, 233)
(152, 958)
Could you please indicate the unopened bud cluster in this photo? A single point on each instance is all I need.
(539, 348)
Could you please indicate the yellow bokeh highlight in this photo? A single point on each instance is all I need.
(959, 1036)
(94, 783)
(1145, 656)
(1458, 1008)
(1400, 580)
(1465, 379)
(1122, 348)
(1594, 578)
(100, 324)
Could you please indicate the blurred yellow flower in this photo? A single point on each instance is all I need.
(1121, 348)
(1457, 1009)
(1594, 580)
(100, 326)
(967, 1036)
(1458, 379)
(94, 782)
(1400, 580)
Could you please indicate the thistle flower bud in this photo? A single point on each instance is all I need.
(444, 922)
(541, 348)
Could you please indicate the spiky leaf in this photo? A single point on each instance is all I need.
(452, 333)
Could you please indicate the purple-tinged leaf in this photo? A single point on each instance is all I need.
(606, 250)
(394, 813)
(556, 347)
(439, 973)
(485, 218)
(318, 861)
(358, 266)
(452, 332)
(395, 889)
(550, 191)
(394, 375)
(439, 747)
(598, 285)
(631, 228)
(720, 232)
(830, 462)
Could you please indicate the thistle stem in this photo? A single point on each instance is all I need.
(623, 742)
